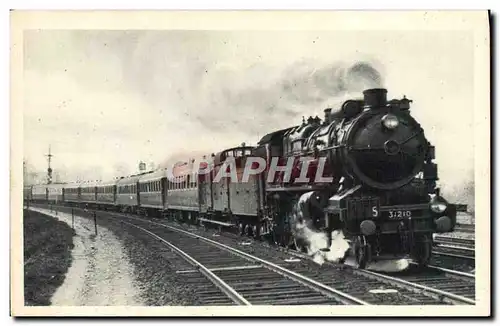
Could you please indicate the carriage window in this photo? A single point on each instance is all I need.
(239, 153)
(231, 154)
(188, 182)
(248, 152)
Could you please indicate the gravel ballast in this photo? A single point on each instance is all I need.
(153, 265)
(100, 274)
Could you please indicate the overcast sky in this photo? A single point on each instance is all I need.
(105, 100)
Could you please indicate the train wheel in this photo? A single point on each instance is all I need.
(423, 250)
(362, 252)
(300, 245)
(248, 230)
(260, 232)
(241, 228)
(273, 237)
(256, 232)
(195, 219)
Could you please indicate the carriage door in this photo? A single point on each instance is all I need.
(164, 187)
(220, 192)
(205, 192)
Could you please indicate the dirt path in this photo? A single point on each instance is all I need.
(100, 274)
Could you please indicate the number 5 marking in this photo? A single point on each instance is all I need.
(374, 211)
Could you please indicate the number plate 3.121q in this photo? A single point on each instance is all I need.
(398, 213)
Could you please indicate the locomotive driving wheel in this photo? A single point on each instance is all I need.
(362, 252)
(423, 249)
(300, 245)
(241, 228)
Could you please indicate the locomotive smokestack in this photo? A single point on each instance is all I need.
(375, 98)
(328, 111)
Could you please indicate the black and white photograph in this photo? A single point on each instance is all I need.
(202, 163)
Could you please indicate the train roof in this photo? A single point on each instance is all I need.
(87, 184)
(153, 175)
(271, 137)
(131, 179)
(106, 183)
(51, 185)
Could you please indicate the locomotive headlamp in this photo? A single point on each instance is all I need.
(390, 121)
(438, 205)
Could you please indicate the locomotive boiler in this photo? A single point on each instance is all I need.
(382, 189)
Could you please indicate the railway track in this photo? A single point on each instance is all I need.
(454, 242)
(451, 261)
(261, 281)
(247, 279)
(466, 228)
(459, 287)
(459, 253)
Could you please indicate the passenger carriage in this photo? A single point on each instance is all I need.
(106, 194)
(127, 194)
(55, 193)
(152, 193)
(88, 194)
(71, 193)
(232, 203)
(27, 194)
(40, 194)
(182, 193)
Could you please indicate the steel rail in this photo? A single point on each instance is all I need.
(304, 280)
(223, 286)
(443, 294)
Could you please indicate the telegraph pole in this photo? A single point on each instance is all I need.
(49, 169)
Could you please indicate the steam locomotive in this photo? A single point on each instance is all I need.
(383, 195)
(381, 189)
